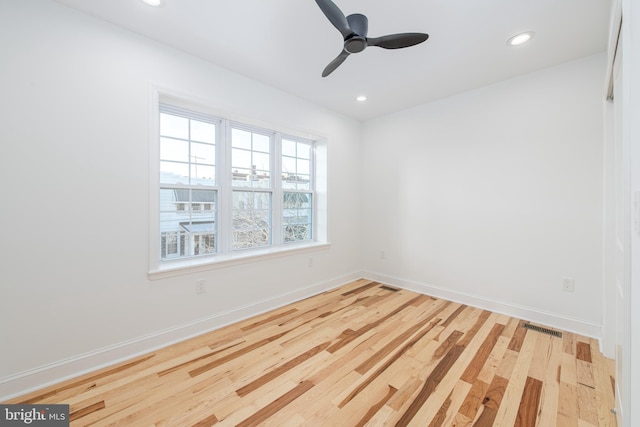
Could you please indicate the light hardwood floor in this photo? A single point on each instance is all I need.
(363, 354)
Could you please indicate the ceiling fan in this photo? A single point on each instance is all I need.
(354, 30)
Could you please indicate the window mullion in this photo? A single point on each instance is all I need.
(225, 204)
(312, 190)
(276, 183)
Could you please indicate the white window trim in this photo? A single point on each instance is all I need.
(159, 269)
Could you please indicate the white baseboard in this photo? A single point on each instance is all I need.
(62, 370)
(531, 314)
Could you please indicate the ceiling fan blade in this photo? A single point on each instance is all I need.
(335, 16)
(397, 41)
(335, 63)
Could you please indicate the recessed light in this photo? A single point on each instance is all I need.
(155, 3)
(361, 98)
(521, 38)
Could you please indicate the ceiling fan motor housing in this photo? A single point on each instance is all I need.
(357, 41)
(355, 44)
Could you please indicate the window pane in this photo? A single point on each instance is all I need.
(174, 126)
(174, 173)
(296, 200)
(296, 216)
(203, 153)
(203, 175)
(288, 148)
(251, 167)
(303, 182)
(241, 177)
(203, 132)
(182, 160)
(296, 165)
(296, 182)
(303, 167)
(261, 161)
(289, 166)
(204, 244)
(174, 149)
(288, 185)
(251, 219)
(241, 139)
(203, 196)
(241, 159)
(261, 142)
(187, 222)
(304, 150)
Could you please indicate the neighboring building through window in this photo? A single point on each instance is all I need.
(297, 197)
(218, 189)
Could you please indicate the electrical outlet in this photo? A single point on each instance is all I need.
(383, 255)
(568, 284)
(310, 263)
(200, 287)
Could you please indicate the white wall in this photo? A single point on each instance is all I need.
(74, 171)
(492, 196)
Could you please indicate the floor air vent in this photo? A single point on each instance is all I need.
(543, 330)
(389, 288)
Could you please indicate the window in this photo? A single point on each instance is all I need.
(297, 197)
(227, 187)
(188, 189)
(252, 188)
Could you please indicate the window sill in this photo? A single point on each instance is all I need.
(181, 267)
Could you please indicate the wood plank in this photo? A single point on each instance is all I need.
(241, 352)
(583, 351)
(387, 363)
(587, 404)
(376, 407)
(584, 373)
(491, 402)
(277, 404)
(269, 319)
(567, 405)
(441, 370)
(474, 399)
(206, 422)
(518, 337)
(273, 374)
(82, 412)
(475, 337)
(474, 368)
(490, 368)
(604, 396)
(550, 378)
(528, 409)
(360, 289)
(347, 338)
(508, 411)
(430, 384)
(446, 414)
(569, 343)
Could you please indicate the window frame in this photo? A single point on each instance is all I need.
(309, 191)
(225, 255)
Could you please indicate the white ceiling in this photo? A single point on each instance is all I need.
(287, 43)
